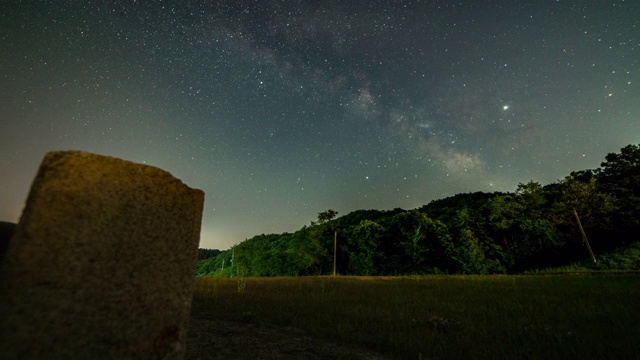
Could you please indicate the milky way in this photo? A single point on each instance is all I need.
(279, 110)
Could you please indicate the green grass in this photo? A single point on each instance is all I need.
(444, 317)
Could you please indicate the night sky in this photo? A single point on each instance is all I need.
(279, 110)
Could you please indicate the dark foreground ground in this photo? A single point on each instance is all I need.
(215, 339)
(569, 316)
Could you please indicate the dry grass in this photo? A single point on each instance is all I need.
(484, 317)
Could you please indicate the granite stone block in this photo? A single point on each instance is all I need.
(102, 262)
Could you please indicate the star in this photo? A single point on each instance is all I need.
(235, 97)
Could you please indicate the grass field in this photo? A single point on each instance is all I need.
(444, 317)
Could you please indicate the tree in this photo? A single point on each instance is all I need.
(420, 243)
(623, 167)
(531, 197)
(620, 177)
(504, 212)
(521, 220)
(591, 205)
(584, 211)
(312, 254)
(466, 233)
(326, 216)
(363, 246)
(470, 253)
(207, 253)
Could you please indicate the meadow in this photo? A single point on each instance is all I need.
(443, 317)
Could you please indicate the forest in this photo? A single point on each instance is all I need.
(583, 218)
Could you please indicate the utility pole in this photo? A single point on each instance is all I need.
(335, 242)
(584, 236)
(233, 253)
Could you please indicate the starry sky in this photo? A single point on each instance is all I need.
(279, 110)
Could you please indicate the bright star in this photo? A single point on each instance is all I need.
(505, 107)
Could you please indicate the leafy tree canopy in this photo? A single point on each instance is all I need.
(473, 233)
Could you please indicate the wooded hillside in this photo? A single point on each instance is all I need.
(534, 227)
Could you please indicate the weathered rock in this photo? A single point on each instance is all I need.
(102, 262)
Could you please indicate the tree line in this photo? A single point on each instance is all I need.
(533, 227)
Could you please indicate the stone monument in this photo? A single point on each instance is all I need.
(102, 262)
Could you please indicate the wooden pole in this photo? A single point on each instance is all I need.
(584, 236)
(335, 242)
(232, 255)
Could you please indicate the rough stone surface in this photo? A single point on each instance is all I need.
(102, 262)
